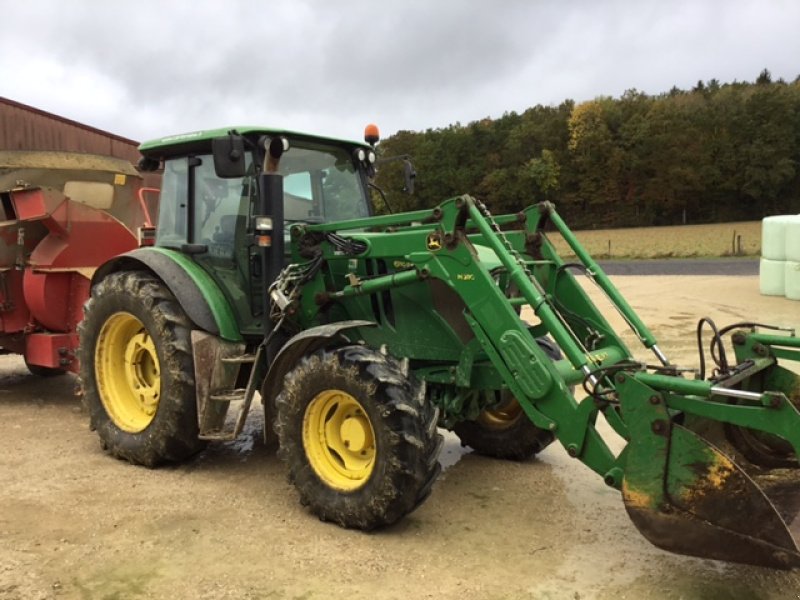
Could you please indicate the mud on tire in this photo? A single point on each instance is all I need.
(357, 436)
(138, 385)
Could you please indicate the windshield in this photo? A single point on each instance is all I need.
(321, 184)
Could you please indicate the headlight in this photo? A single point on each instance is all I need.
(263, 223)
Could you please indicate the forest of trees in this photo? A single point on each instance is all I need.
(715, 153)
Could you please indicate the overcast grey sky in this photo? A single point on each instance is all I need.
(148, 68)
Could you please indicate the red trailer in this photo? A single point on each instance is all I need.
(62, 215)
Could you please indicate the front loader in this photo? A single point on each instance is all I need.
(363, 334)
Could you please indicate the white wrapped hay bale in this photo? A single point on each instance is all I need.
(792, 280)
(773, 236)
(792, 239)
(771, 277)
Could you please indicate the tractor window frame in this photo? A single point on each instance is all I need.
(172, 230)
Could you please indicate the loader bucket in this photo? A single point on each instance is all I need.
(700, 502)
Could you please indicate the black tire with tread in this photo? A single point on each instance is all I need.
(172, 434)
(407, 441)
(520, 439)
(762, 449)
(40, 371)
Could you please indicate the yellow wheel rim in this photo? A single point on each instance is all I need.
(339, 440)
(502, 416)
(127, 372)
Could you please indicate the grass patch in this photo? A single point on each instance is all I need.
(686, 241)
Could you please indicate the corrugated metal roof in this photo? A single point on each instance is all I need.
(24, 127)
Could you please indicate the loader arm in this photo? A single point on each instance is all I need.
(679, 473)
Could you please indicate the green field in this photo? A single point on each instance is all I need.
(687, 241)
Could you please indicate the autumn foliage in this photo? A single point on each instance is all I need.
(715, 153)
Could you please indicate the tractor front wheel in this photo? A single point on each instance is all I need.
(359, 440)
(137, 371)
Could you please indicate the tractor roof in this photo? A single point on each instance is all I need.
(200, 141)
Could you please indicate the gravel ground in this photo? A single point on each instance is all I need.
(75, 523)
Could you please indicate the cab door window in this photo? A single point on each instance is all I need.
(172, 212)
(220, 209)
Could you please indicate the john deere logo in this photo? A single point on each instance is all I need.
(434, 242)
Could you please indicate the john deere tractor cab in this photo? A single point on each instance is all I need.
(221, 222)
(364, 333)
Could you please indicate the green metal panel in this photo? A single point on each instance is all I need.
(517, 351)
(217, 302)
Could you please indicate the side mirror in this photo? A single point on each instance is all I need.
(409, 175)
(148, 165)
(229, 156)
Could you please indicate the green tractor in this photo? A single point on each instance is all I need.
(364, 334)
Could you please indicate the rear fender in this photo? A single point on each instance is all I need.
(303, 343)
(198, 294)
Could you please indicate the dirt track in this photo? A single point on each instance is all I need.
(75, 523)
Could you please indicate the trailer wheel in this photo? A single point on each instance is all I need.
(137, 370)
(505, 431)
(359, 440)
(40, 371)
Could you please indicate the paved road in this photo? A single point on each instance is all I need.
(691, 266)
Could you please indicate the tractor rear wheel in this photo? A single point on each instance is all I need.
(137, 371)
(359, 440)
